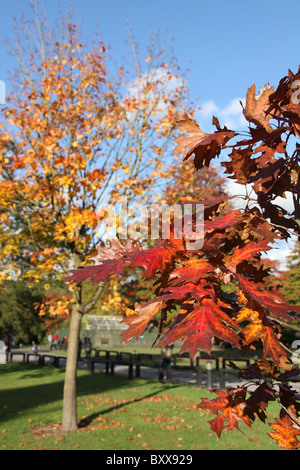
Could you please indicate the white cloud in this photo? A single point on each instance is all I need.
(208, 109)
(230, 116)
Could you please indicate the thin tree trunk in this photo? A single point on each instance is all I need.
(69, 422)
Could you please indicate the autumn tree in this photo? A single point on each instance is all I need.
(192, 282)
(290, 277)
(76, 135)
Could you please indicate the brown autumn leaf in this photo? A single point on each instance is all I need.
(241, 164)
(259, 400)
(256, 107)
(203, 146)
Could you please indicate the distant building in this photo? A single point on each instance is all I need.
(97, 322)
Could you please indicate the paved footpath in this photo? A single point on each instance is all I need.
(184, 377)
(177, 376)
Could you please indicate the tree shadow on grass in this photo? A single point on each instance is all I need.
(27, 391)
(87, 420)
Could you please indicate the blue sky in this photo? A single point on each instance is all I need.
(227, 46)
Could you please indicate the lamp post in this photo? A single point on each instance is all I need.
(209, 365)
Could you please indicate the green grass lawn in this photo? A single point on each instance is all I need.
(115, 414)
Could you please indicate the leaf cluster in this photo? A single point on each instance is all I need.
(193, 281)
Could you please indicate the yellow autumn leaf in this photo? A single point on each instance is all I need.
(129, 312)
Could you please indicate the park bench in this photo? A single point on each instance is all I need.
(110, 359)
(122, 359)
(99, 353)
(17, 353)
(182, 361)
(100, 356)
(146, 360)
(34, 355)
(52, 359)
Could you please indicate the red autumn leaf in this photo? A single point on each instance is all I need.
(145, 313)
(204, 146)
(98, 273)
(272, 301)
(248, 251)
(199, 327)
(273, 348)
(193, 270)
(189, 289)
(117, 259)
(152, 260)
(223, 221)
(229, 406)
(286, 433)
(139, 322)
(109, 260)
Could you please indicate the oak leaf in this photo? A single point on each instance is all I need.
(116, 259)
(241, 164)
(259, 400)
(229, 406)
(257, 106)
(199, 327)
(285, 433)
(203, 146)
(193, 270)
(221, 222)
(248, 251)
(272, 301)
(273, 349)
(138, 322)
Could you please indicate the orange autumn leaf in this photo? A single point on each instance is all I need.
(286, 433)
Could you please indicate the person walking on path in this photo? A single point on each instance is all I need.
(164, 370)
(55, 340)
(50, 339)
(88, 347)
